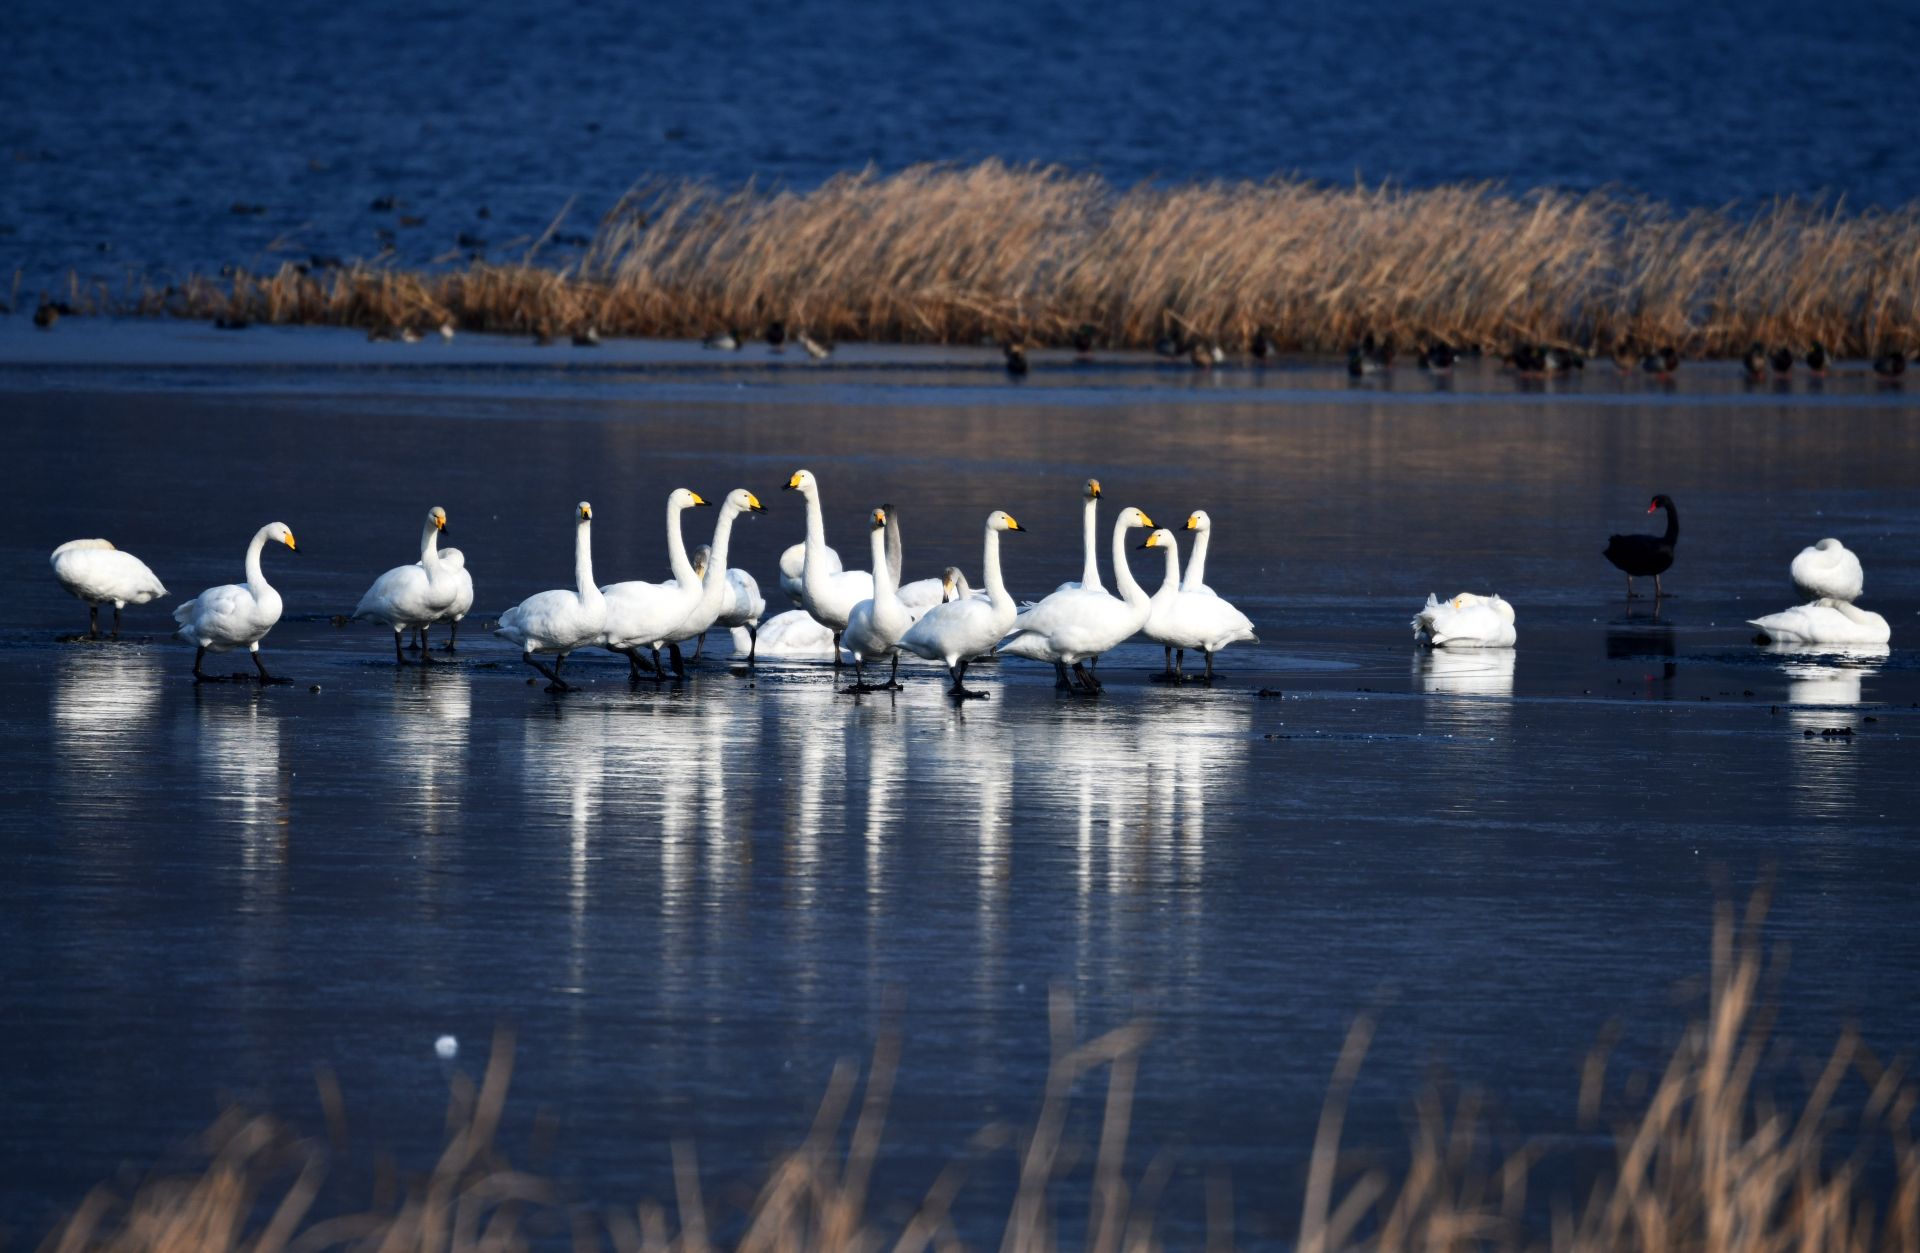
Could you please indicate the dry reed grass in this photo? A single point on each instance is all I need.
(1705, 1162)
(945, 254)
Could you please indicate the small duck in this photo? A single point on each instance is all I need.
(776, 334)
(1527, 359)
(1661, 364)
(224, 323)
(1205, 354)
(1818, 360)
(1624, 358)
(543, 336)
(1561, 360)
(1890, 364)
(45, 314)
(723, 341)
(1016, 354)
(1083, 337)
(1782, 361)
(379, 334)
(1263, 346)
(1167, 346)
(446, 329)
(407, 335)
(816, 349)
(1755, 360)
(1360, 364)
(1437, 356)
(587, 338)
(1380, 351)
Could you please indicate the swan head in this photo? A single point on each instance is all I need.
(699, 558)
(802, 481)
(1131, 517)
(1662, 501)
(437, 518)
(583, 512)
(877, 520)
(1090, 490)
(281, 533)
(1001, 520)
(1162, 538)
(1830, 545)
(1199, 521)
(954, 584)
(684, 498)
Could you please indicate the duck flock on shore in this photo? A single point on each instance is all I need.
(868, 618)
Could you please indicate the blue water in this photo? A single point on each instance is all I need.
(688, 902)
(131, 130)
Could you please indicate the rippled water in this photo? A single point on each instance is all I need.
(131, 131)
(689, 901)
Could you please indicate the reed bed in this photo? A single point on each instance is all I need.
(1705, 1161)
(942, 254)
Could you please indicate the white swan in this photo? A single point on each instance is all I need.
(716, 585)
(1089, 540)
(560, 621)
(1196, 578)
(1466, 621)
(875, 626)
(956, 632)
(95, 571)
(829, 595)
(1824, 621)
(742, 607)
(1828, 571)
(791, 635)
(1178, 620)
(454, 561)
(793, 564)
(236, 615)
(1068, 628)
(921, 594)
(640, 615)
(415, 595)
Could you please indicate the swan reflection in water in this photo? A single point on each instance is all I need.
(564, 768)
(431, 713)
(103, 705)
(1820, 683)
(1475, 687)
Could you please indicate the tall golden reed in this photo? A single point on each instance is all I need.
(1705, 1161)
(943, 254)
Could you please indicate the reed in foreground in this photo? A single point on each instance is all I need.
(1034, 255)
(1705, 1162)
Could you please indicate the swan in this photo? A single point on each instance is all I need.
(956, 632)
(792, 635)
(454, 561)
(560, 621)
(1828, 570)
(1070, 627)
(1824, 621)
(1196, 578)
(1179, 619)
(794, 561)
(1089, 540)
(236, 614)
(1466, 621)
(642, 614)
(742, 607)
(415, 595)
(95, 571)
(875, 626)
(716, 588)
(1643, 555)
(826, 594)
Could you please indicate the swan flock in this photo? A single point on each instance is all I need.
(869, 618)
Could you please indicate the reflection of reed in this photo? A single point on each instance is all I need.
(1475, 687)
(1820, 681)
(103, 701)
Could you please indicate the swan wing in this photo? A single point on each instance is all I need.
(404, 597)
(94, 570)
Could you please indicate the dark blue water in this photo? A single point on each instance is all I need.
(130, 131)
(690, 902)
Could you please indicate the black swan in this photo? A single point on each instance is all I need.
(1643, 555)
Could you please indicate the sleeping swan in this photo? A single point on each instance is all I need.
(1466, 621)
(1824, 621)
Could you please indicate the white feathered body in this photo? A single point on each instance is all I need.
(1073, 625)
(95, 571)
(230, 616)
(1466, 621)
(1828, 570)
(1195, 620)
(453, 562)
(555, 621)
(1825, 621)
(793, 564)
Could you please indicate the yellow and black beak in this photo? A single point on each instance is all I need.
(698, 499)
(439, 521)
(754, 505)
(1153, 541)
(1193, 522)
(1095, 489)
(879, 518)
(586, 513)
(289, 542)
(1145, 520)
(793, 484)
(1013, 525)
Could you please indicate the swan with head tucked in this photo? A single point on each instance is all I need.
(716, 585)
(416, 595)
(236, 615)
(826, 594)
(1467, 621)
(791, 635)
(1825, 621)
(95, 571)
(875, 626)
(793, 564)
(1196, 577)
(1089, 540)
(1072, 627)
(642, 615)
(560, 621)
(956, 632)
(1178, 619)
(1828, 571)
(741, 608)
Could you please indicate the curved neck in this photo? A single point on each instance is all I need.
(714, 588)
(583, 561)
(429, 545)
(1130, 591)
(1197, 559)
(1090, 544)
(990, 558)
(813, 573)
(677, 549)
(1673, 523)
(256, 581)
(1172, 582)
(894, 556)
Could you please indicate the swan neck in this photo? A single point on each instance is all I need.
(1130, 591)
(1172, 582)
(583, 561)
(256, 579)
(429, 545)
(883, 577)
(1090, 544)
(677, 550)
(1673, 523)
(1197, 561)
(717, 551)
(990, 559)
